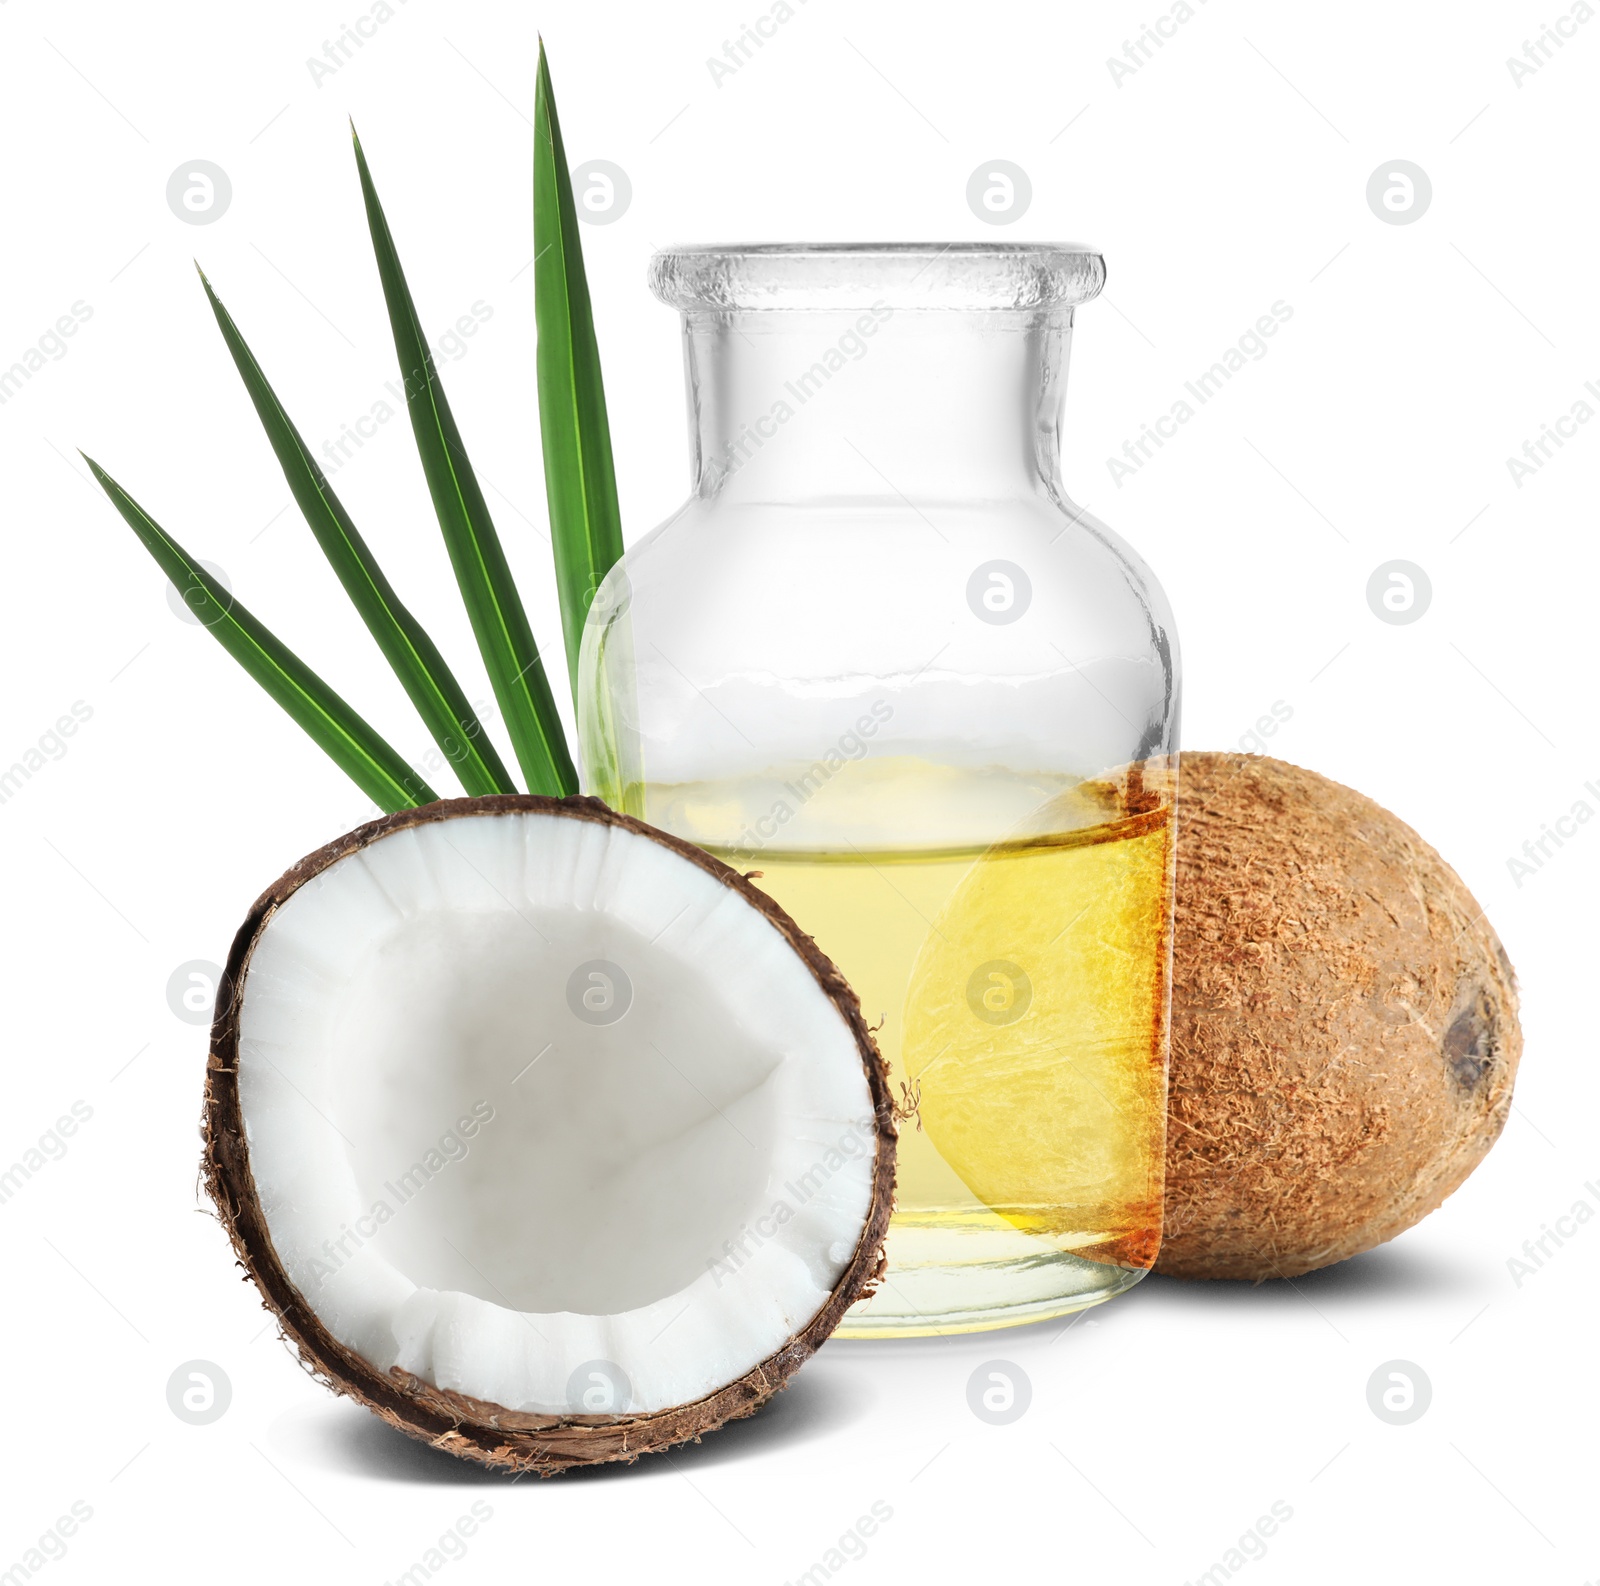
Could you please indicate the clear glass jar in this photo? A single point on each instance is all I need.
(879, 657)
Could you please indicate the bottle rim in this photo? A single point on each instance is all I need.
(971, 276)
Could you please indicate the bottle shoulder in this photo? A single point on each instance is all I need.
(1038, 566)
(975, 635)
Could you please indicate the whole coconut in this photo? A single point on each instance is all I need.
(1344, 1025)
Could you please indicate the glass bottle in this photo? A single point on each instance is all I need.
(879, 657)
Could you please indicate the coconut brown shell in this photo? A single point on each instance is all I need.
(1344, 1025)
(473, 1428)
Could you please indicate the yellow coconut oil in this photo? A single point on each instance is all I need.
(1019, 993)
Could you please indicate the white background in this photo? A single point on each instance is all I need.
(1225, 174)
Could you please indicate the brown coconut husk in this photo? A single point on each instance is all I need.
(475, 1429)
(1344, 1025)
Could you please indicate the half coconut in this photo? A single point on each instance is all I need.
(547, 1136)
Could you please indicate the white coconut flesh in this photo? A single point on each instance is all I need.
(475, 1168)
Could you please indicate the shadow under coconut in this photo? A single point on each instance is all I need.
(340, 1435)
(1395, 1271)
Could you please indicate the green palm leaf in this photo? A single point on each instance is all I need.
(422, 671)
(579, 478)
(493, 604)
(375, 767)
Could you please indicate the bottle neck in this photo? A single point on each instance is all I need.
(910, 405)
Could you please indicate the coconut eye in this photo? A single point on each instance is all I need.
(545, 1135)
